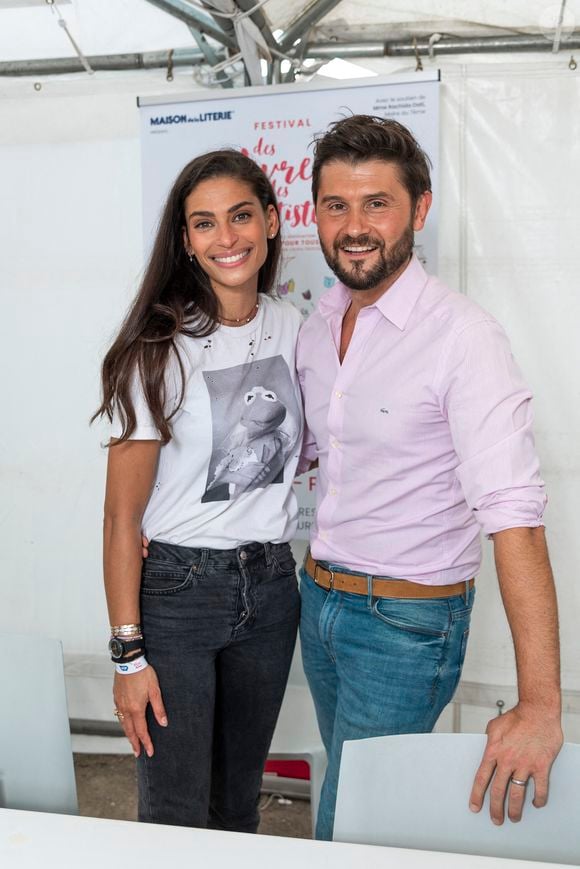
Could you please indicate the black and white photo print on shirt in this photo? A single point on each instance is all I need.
(255, 427)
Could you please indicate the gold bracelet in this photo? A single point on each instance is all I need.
(125, 630)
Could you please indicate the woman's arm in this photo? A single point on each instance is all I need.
(130, 475)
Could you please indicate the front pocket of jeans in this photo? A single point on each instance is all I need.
(284, 562)
(405, 617)
(165, 577)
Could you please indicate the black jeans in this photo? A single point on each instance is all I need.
(220, 628)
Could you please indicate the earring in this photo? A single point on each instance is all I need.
(191, 256)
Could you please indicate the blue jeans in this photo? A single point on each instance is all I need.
(220, 628)
(377, 667)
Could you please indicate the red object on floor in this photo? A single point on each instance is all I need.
(288, 768)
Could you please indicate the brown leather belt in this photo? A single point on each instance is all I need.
(357, 583)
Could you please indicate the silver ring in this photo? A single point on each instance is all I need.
(517, 781)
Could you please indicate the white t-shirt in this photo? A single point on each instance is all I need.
(225, 478)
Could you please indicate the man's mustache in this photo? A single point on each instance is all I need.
(359, 241)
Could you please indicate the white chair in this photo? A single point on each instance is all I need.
(412, 791)
(36, 762)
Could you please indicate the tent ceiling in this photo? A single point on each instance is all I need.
(28, 28)
(12, 4)
(471, 16)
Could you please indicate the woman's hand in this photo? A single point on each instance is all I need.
(132, 692)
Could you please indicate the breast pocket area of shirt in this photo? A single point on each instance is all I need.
(395, 432)
(167, 577)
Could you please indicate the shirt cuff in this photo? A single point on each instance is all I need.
(523, 508)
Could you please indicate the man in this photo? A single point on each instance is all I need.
(421, 424)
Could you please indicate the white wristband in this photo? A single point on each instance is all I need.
(132, 666)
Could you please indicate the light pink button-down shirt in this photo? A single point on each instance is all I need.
(423, 434)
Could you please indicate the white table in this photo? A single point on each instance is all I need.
(30, 840)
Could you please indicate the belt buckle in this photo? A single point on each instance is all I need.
(328, 570)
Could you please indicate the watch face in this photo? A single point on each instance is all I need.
(116, 647)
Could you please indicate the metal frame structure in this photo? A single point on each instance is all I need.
(107, 62)
(305, 22)
(425, 46)
(191, 16)
(293, 44)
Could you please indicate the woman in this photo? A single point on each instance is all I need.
(201, 387)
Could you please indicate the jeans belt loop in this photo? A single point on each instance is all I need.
(370, 590)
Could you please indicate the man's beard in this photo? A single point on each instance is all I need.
(356, 277)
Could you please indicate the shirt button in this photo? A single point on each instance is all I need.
(338, 394)
(334, 444)
(243, 555)
(333, 491)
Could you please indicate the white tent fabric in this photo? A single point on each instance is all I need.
(99, 26)
(118, 26)
(459, 17)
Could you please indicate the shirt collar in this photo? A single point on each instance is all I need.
(396, 304)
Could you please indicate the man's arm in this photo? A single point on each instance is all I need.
(524, 742)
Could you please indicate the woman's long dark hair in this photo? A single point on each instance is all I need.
(175, 298)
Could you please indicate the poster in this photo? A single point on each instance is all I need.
(276, 126)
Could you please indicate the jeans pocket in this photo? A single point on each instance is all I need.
(165, 577)
(283, 559)
(428, 617)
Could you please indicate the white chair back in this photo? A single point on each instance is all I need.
(412, 791)
(36, 763)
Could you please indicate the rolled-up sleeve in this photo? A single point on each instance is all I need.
(488, 407)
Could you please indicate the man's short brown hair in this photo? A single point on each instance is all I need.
(368, 137)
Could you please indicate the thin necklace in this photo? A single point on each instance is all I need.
(240, 321)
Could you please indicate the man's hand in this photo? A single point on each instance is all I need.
(144, 546)
(521, 744)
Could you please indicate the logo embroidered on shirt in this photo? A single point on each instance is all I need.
(384, 410)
